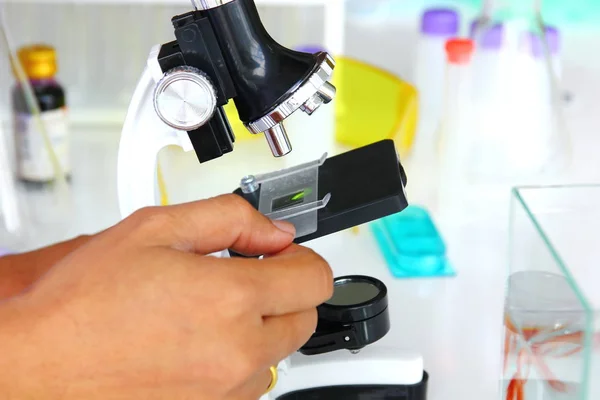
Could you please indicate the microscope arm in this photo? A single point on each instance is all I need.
(143, 137)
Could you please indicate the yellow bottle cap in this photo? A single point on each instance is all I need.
(38, 61)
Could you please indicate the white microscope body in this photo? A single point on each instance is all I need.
(145, 133)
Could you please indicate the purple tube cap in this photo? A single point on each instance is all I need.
(489, 38)
(309, 48)
(534, 42)
(440, 22)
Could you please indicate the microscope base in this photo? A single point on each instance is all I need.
(358, 392)
(375, 373)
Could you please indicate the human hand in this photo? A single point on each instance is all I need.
(141, 312)
(19, 271)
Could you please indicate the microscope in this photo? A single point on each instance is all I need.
(222, 53)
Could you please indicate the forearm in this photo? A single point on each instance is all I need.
(17, 351)
(29, 353)
(19, 271)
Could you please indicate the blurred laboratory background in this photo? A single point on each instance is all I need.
(480, 96)
(391, 73)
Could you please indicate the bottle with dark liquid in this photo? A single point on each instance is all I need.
(34, 164)
(41, 157)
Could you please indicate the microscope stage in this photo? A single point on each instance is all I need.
(364, 185)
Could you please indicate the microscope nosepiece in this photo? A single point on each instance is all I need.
(278, 140)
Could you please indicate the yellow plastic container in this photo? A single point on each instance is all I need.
(372, 105)
(239, 130)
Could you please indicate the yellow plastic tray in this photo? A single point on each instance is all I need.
(372, 105)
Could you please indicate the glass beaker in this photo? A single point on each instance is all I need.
(552, 308)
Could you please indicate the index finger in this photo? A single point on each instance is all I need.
(296, 280)
(211, 225)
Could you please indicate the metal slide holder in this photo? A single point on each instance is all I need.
(290, 195)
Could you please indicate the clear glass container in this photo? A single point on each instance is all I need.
(552, 308)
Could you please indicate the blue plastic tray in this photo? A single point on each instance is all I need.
(412, 245)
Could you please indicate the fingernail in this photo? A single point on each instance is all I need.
(286, 227)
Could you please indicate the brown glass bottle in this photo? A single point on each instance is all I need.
(33, 160)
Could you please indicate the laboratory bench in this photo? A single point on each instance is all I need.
(455, 323)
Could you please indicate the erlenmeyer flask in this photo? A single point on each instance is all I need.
(522, 135)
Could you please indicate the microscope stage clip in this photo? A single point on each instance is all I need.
(290, 194)
(300, 210)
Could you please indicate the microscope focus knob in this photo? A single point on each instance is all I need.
(185, 98)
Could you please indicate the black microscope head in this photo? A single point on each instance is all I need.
(302, 87)
(223, 52)
(271, 80)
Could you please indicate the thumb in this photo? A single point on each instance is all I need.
(212, 225)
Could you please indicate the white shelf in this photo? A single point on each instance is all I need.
(97, 117)
(335, 13)
(295, 3)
